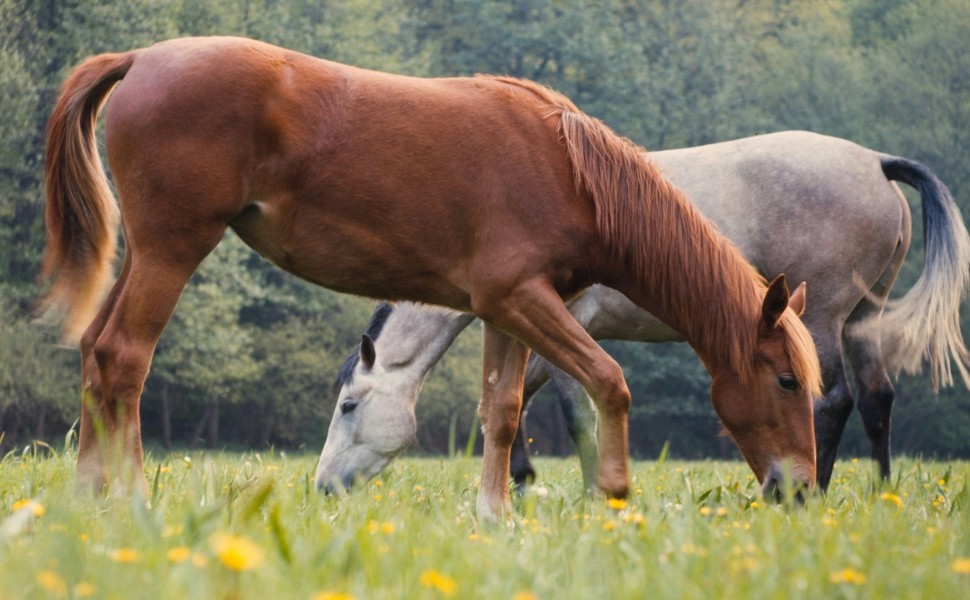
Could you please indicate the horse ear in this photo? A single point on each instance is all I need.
(368, 355)
(797, 300)
(776, 301)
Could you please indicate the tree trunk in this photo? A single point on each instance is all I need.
(41, 421)
(214, 424)
(166, 418)
(200, 426)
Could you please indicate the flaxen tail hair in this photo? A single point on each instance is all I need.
(923, 326)
(82, 214)
(655, 231)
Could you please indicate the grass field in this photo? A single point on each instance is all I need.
(252, 526)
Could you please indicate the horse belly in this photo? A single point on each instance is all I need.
(344, 256)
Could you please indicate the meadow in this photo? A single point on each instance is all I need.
(251, 525)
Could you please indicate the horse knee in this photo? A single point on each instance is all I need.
(500, 420)
(610, 392)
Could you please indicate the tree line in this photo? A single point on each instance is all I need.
(251, 352)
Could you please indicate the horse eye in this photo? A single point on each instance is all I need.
(348, 406)
(788, 382)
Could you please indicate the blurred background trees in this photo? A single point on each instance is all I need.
(249, 357)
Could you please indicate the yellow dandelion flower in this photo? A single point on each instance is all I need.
(609, 526)
(473, 537)
(387, 528)
(331, 596)
(36, 508)
(200, 561)
(524, 596)
(722, 511)
(179, 554)
(706, 510)
(892, 499)
(125, 555)
(84, 589)
(756, 504)
(236, 552)
(52, 583)
(165, 470)
(961, 565)
(439, 581)
(616, 503)
(847, 576)
(378, 483)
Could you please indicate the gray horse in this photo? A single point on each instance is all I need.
(820, 209)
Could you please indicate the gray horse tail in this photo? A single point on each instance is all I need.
(924, 324)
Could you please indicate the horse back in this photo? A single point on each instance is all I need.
(426, 181)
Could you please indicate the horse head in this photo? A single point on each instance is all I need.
(769, 411)
(372, 423)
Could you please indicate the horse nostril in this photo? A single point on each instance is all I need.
(772, 490)
(333, 486)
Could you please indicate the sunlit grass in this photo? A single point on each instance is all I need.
(252, 526)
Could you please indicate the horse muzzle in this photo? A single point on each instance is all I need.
(781, 486)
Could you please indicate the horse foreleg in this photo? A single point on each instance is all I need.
(520, 467)
(535, 314)
(504, 363)
(580, 417)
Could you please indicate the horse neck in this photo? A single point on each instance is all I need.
(413, 340)
(700, 284)
(671, 257)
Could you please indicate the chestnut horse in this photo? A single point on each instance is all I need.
(485, 194)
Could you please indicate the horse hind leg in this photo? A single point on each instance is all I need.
(876, 396)
(91, 473)
(875, 390)
(832, 411)
(118, 349)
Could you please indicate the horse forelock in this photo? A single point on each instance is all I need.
(377, 321)
(802, 353)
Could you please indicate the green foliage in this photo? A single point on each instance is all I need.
(38, 380)
(252, 351)
(251, 526)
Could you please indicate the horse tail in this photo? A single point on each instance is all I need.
(81, 213)
(924, 324)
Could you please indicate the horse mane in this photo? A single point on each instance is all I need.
(656, 231)
(377, 321)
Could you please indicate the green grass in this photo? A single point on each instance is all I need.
(689, 530)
